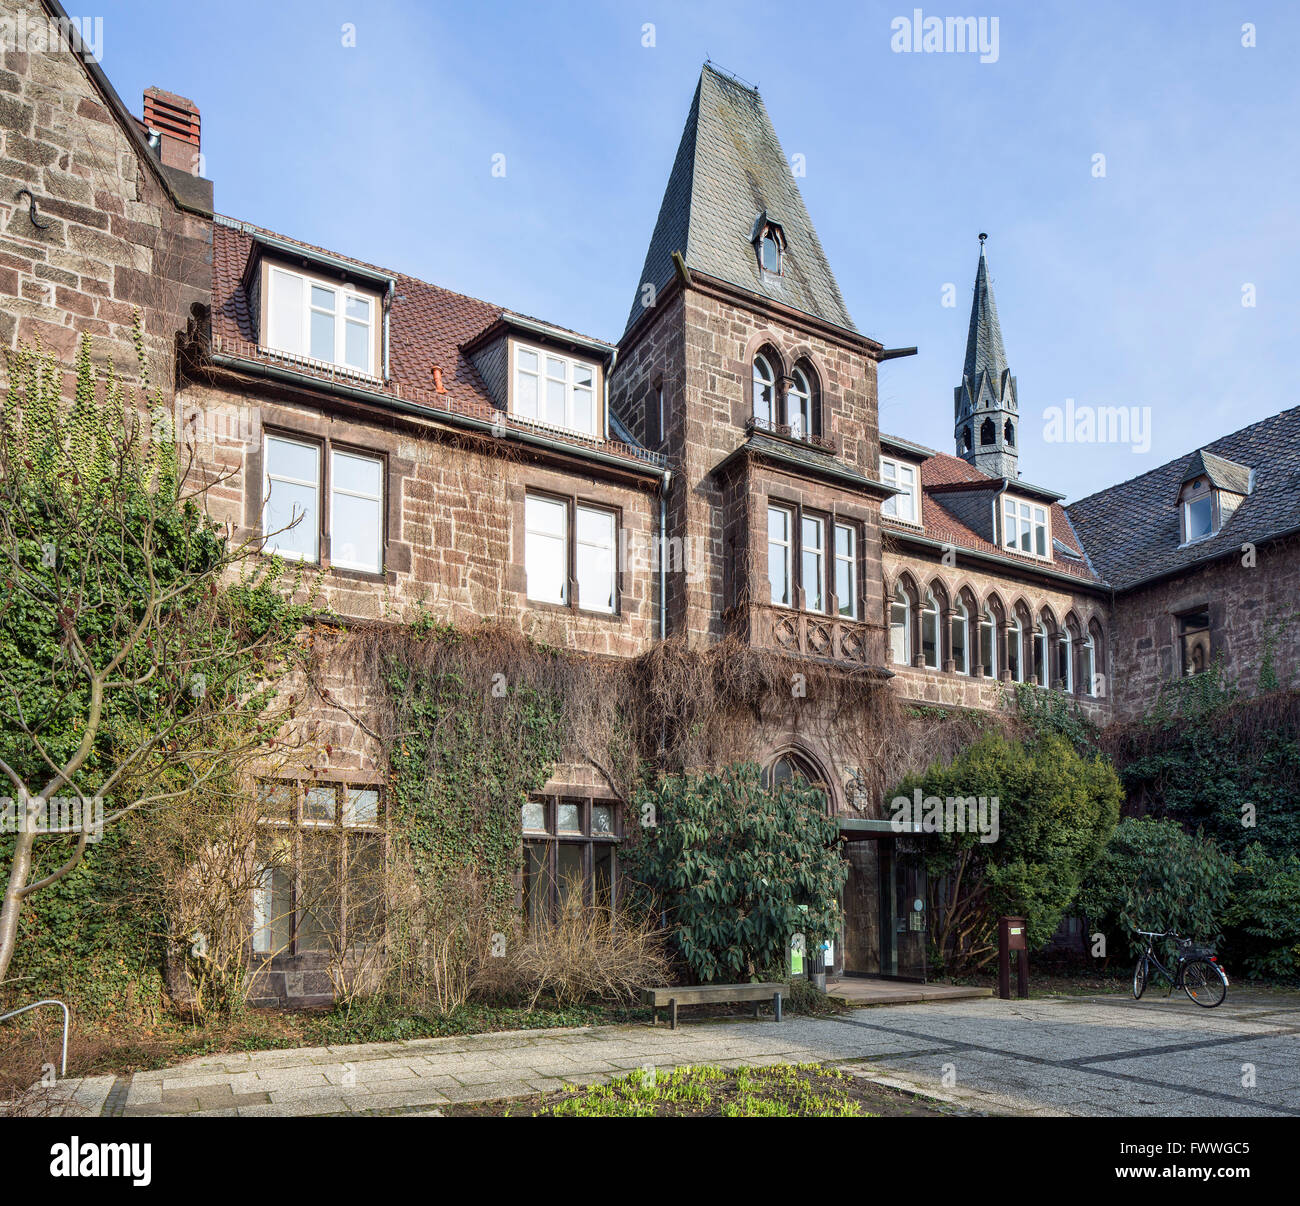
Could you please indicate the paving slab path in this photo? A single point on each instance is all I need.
(1060, 1055)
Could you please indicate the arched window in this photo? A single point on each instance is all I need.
(988, 432)
(1041, 664)
(799, 405)
(965, 438)
(1009, 434)
(930, 631)
(1089, 665)
(769, 250)
(1065, 661)
(1016, 653)
(961, 638)
(764, 391)
(989, 643)
(900, 628)
(791, 767)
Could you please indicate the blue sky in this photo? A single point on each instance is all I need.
(1122, 290)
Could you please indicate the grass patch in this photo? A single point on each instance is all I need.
(706, 1091)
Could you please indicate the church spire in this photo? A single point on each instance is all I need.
(984, 404)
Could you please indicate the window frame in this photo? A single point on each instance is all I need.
(336, 450)
(989, 621)
(960, 615)
(293, 823)
(550, 838)
(829, 522)
(572, 504)
(571, 386)
(849, 559)
(759, 383)
(343, 291)
(891, 469)
(1188, 504)
(1013, 507)
(325, 447)
(900, 598)
(930, 607)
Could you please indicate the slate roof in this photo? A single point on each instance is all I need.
(729, 169)
(428, 326)
(1225, 474)
(940, 474)
(1131, 531)
(984, 350)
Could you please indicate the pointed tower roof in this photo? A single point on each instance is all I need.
(731, 176)
(984, 350)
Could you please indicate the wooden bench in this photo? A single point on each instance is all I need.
(705, 994)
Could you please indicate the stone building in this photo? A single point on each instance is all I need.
(716, 473)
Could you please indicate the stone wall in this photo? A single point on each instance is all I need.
(1247, 605)
(114, 240)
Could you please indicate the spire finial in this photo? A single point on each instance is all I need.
(983, 236)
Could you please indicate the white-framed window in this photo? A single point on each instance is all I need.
(905, 505)
(557, 390)
(900, 628)
(846, 570)
(813, 555)
(961, 638)
(291, 498)
(1042, 667)
(597, 548)
(1089, 665)
(1024, 528)
(321, 319)
(798, 405)
(930, 631)
(546, 549)
(989, 643)
(1016, 652)
(1065, 667)
(764, 392)
(780, 548)
(356, 511)
(1198, 518)
(551, 527)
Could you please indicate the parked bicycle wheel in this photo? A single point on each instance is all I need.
(1140, 979)
(1205, 982)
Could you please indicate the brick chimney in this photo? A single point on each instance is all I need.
(176, 121)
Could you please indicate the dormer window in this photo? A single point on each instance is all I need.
(1024, 528)
(1211, 490)
(906, 504)
(554, 389)
(771, 248)
(1198, 508)
(319, 319)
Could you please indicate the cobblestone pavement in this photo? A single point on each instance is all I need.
(1063, 1055)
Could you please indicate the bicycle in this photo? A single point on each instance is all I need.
(1197, 970)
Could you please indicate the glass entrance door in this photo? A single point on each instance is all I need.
(902, 913)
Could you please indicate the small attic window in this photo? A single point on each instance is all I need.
(771, 247)
(1198, 510)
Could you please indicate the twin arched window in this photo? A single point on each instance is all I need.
(900, 628)
(796, 409)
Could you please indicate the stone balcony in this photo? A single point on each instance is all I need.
(822, 637)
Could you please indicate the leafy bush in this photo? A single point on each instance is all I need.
(1265, 914)
(1156, 876)
(738, 869)
(1056, 809)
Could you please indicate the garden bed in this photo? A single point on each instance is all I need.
(707, 1091)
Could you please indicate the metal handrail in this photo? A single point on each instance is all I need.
(36, 1005)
